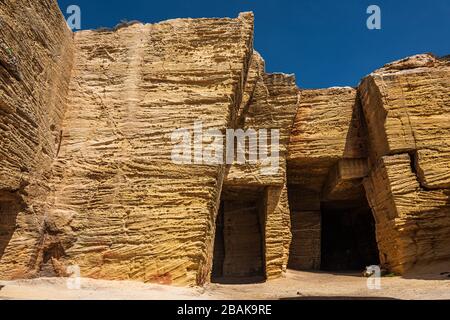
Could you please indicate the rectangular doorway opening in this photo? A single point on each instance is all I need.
(239, 249)
(348, 236)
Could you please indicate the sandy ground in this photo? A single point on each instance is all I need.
(294, 285)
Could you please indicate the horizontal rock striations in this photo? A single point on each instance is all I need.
(272, 105)
(406, 106)
(100, 171)
(327, 161)
(36, 56)
(123, 208)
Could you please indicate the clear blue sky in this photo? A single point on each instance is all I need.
(324, 42)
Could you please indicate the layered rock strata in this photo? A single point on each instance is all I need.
(36, 55)
(123, 208)
(407, 106)
(327, 161)
(271, 104)
(88, 178)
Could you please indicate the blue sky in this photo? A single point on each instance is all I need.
(324, 42)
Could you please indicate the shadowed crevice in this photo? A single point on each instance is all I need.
(11, 204)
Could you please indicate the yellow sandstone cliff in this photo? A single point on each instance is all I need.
(87, 177)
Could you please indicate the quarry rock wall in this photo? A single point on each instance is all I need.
(326, 161)
(386, 141)
(36, 57)
(272, 105)
(123, 208)
(407, 105)
(88, 180)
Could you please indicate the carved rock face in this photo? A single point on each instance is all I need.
(36, 57)
(134, 214)
(87, 179)
(407, 109)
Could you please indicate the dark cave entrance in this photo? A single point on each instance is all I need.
(239, 242)
(10, 206)
(348, 236)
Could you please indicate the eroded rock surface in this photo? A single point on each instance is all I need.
(124, 209)
(36, 55)
(407, 106)
(87, 177)
(327, 161)
(272, 105)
